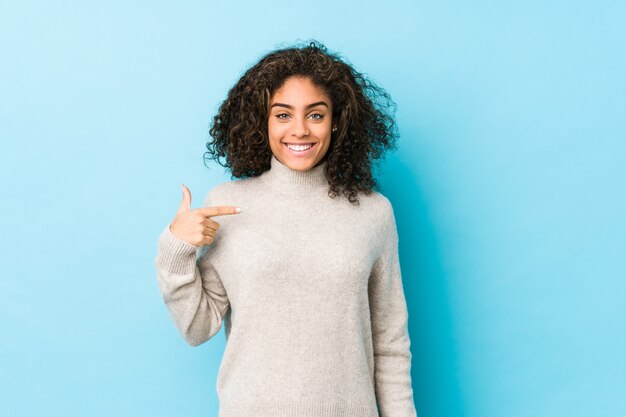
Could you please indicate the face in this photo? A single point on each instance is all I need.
(299, 124)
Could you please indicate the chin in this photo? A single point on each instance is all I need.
(299, 164)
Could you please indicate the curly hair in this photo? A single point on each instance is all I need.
(362, 112)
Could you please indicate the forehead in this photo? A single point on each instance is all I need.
(299, 89)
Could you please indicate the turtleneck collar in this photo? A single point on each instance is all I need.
(282, 178)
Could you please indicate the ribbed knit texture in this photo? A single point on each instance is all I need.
(310, 293)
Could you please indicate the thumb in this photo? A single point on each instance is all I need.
(185, 204)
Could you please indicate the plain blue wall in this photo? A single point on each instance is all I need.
(509, 188)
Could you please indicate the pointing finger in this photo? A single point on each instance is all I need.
(220, 210)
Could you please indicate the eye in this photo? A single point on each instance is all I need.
(281, 114)
(321, 116)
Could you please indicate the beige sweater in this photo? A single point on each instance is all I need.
(310, 292)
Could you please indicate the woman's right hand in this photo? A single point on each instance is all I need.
(195, 226)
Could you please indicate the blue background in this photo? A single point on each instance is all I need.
(508, 187)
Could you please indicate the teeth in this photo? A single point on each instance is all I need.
(299, 147)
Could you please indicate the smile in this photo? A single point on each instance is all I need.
(300, 149)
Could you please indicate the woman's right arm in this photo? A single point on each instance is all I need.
(190, 285)
(191, 289)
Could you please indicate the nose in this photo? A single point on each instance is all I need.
(300, 129)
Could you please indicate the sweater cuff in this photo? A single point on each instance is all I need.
(175, 255)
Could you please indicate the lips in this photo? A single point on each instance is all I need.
(303, 152)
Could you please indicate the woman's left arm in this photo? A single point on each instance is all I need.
(389, 318)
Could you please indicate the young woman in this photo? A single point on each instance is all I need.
(306, 276)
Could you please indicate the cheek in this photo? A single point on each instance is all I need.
(275, 135)
(274, 130)
(271, 133)
(324, 132)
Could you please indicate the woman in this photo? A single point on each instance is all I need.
(306, 277)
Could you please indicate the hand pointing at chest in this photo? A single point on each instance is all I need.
(195, 226)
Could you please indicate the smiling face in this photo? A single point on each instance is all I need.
(299, 124)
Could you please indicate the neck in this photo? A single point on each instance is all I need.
(284, 179)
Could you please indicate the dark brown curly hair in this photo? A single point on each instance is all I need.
(362, 112)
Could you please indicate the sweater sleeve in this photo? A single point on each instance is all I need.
(191, 288)
(389, 319)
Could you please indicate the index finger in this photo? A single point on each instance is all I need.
(219, 210)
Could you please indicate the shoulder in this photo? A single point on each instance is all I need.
(225, 191)
(385, 217)
(379, 205)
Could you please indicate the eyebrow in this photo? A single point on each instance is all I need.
(307, 107)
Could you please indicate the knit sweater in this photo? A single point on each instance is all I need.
(310, 293)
